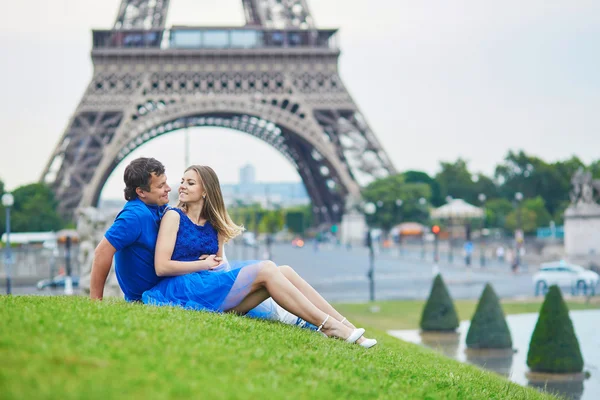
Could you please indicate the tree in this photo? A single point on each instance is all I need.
(533, 177)
(489, 329)
(35, 209)
(439, 313)
(528, 220)
(496, 211)
(538, 206)
(2, 211)
(455, 180)
(554, 347)
(421, 177)
(272, 221)
(386, 192)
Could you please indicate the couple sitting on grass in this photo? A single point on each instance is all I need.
(175, 256)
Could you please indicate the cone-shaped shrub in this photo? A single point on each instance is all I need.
(489, 329)
(554, 346)
(439, 313)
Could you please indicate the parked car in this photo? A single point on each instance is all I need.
(565, 275)
(56, 282)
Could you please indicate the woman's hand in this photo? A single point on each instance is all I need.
(212, 260)
(205, 256)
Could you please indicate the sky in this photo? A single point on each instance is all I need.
(436, 80)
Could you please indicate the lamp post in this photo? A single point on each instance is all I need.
(482, 198)
(518, 232)
(398, 204)
(450, 234)
(422, 203)
(369, 209)
(7, 201)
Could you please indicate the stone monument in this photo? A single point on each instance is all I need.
(91, 226)
(582, 220)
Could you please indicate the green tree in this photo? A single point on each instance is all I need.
(488, 329)
(272, 221)
(455, 180)
(439, 313)
(527, 220)
(421, 177)
(496, 211)
(2, 211)
(538, 206)
(35, 209)
(534, 177)
(554, 347)
(387, 191)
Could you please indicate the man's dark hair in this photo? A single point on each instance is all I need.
(138, 174)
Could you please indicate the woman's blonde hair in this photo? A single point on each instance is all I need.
(214, 209)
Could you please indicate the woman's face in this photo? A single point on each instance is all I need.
(191, 188)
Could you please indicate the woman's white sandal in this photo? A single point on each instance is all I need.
(367, 343)
(354, 336)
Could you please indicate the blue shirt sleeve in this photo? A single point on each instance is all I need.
(124, 231)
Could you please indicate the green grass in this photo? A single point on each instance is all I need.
(407, 314)
(73, 348)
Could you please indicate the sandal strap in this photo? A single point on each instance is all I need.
(342, 321)
(322, 324)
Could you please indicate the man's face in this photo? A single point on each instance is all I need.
(159, 191)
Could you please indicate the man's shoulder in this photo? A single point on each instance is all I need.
(133, 209)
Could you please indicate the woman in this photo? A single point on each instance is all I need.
(189, 252)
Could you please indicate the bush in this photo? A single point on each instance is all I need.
(489, 329)
(439, 313)
(554, 347)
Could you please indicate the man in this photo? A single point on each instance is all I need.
(132, 237)
(131, 240)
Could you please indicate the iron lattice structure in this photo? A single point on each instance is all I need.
(275, 78)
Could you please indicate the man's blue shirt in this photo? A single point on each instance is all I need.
(133, 235)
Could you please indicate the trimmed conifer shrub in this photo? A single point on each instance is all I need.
(554, 347)
(439, 313)
(489, 329)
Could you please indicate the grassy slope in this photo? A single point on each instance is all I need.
(70, 347)
(407, 314)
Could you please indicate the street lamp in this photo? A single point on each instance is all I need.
(423, 203)
(398, 203)
(482, 198)
(450, 234)
(369, 209)
(518, 232)
(7, 201)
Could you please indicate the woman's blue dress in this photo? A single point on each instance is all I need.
(215, 290)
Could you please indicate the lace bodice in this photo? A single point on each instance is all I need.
(194, 240)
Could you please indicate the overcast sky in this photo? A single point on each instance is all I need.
(436, 80)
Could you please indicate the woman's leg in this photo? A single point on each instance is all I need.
(313, 296)
(252, 300)
(271, 279)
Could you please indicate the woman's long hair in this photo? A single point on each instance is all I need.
(214, 209)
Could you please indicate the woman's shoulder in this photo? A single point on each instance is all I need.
(172, 214)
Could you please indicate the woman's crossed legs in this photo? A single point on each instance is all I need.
(295, 295)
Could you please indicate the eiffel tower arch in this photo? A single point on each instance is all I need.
(275, 78)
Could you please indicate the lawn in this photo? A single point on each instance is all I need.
(406, 314)
(73, 348)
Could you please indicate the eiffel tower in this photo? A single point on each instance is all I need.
(275, 78)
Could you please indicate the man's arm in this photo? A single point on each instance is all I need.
(103, 257)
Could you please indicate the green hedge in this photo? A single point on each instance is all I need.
(489, 329)
(554, 347)
(439, 313)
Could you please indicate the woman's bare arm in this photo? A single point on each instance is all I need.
(167, 235)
